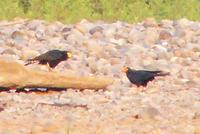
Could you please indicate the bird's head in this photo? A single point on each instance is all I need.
(125, 69)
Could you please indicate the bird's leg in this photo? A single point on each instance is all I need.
(49, 68)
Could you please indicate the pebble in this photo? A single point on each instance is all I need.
(34, 24)
(8, 51)
(102, 49)
(166, 24)
(28, 54)
(96, 29)
(164, 35)
(182, 23)
(150, 22)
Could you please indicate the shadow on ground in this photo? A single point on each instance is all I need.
(37, 90)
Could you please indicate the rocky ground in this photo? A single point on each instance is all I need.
(170, 105)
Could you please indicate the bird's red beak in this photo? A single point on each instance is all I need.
(125, 69)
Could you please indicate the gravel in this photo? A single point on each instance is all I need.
(169, 105)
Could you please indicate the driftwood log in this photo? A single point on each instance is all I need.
(15, 75)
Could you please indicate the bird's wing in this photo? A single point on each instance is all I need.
(49, 56)
(143, 75)
(153, 72)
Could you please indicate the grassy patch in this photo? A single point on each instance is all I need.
(70, 11)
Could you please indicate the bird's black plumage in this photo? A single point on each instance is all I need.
(142, 77)
(53, 58)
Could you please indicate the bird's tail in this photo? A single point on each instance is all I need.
(29, 61)
(160, 73)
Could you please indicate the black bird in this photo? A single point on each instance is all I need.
(142, 77)
(51, 58)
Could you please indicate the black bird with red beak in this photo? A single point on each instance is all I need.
(51, 58)
(142, 77)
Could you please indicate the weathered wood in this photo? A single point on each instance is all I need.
(15, 75)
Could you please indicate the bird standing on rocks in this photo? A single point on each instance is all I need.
(51, 58)
(142, 77)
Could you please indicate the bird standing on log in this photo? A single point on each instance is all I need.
(51, 58)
